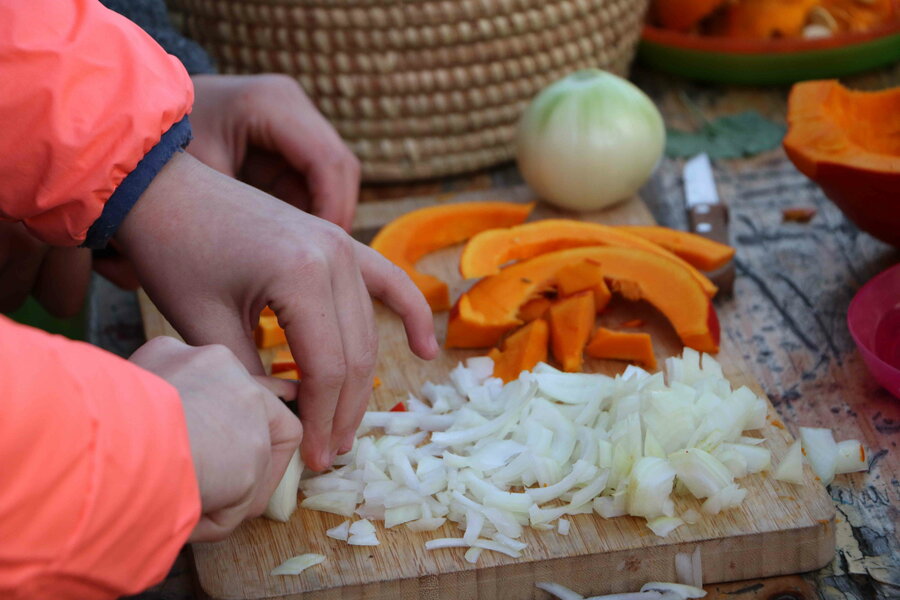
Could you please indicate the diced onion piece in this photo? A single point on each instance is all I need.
(663, 526)
(338, 503)
(560, 591)
(297, 564)
(562, 526)
(790, 469)
(445, 543)
(701, 472)
(472, 555)
(685, 591)
(690, 516)
(340, 532)
(697, 565)
(684, 571)
(362, 527)
(821, 452)
(283, 502)
(402, 514)
(649, 487)
(728, 497)
(851, 457)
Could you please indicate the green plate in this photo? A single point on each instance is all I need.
(768, 62)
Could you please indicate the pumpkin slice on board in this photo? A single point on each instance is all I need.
(585, 275)
(521, 351)
(571, 321)
(700, 252)
(487, 251)
(489, 309)
(408, 238)
(622, 345)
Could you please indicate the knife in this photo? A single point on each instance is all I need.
(707, 216)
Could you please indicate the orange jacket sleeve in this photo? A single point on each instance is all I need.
(97, 485)
(84, 95)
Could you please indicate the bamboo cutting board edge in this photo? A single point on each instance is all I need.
(779, 536)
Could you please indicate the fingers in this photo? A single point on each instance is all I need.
(391, 285)
(314, 335)
(285, 434)
(360, 340)
(282, 388)
(21, 256)
(334, 185)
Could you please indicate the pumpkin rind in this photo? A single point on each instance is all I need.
(848, 142)
(490, 307)
(486, 252)
(408, 238)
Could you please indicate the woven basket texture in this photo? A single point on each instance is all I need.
(418, 88)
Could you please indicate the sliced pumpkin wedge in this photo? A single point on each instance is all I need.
(521, 351)
(586, 275)
(700, 252)
(490, 308)
(571, 322)
(487, 251)
(622, 345)
(408, 238)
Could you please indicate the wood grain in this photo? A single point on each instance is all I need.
(780, 528)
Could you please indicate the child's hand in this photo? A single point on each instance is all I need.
(57, 277)
(242, 436)
(263, 130)
(212, 252)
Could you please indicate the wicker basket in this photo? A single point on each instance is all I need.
(418, 88)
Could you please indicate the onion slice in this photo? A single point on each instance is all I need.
(283, 502)
(821, 452)
(297, 564)
(791, 467)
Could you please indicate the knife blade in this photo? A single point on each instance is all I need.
(707, 215)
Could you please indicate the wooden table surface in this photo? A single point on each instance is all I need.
(788, 313)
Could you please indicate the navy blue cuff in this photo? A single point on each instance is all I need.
(135, 183)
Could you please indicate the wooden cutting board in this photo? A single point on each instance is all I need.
(779, 529)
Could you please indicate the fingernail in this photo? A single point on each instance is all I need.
(327, 458)
(345, 448)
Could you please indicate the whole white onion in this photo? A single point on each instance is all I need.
(589, 140)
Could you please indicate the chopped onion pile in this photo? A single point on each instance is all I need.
(495, 458)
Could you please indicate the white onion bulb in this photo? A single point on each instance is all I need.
(589, 140)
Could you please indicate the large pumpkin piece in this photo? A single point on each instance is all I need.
(848, 142)
(489, 309)
(405, 240)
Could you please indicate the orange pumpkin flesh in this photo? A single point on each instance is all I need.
(856, 15)
(521, 351)
(571, 322)
(283, 361)
(268, 333)
(621, 345)
(481, 316)
(683, 15)
(486, 252)
(585, 275)
(406, 239)
(763, 19)
(848, 142)
(698, 251)
(534, 309)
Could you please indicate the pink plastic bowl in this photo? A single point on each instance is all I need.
(874, 322)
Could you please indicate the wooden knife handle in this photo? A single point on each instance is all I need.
(711, 221)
